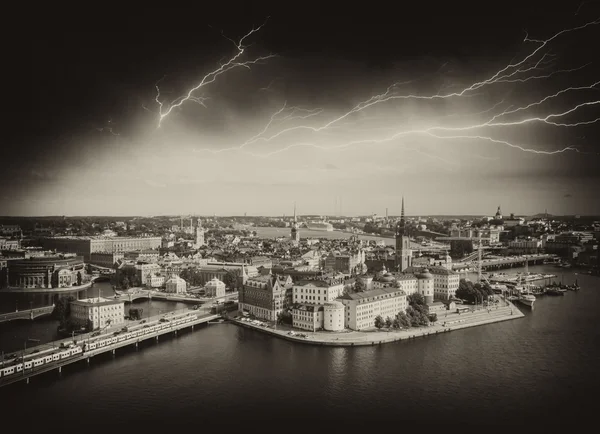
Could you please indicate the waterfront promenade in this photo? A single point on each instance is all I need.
(448, 323)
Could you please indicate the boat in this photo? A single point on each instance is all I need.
(554, 291)
(526, 298)
(573, 287)
(319, 226)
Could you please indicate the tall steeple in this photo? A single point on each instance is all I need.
(403, 252)
(295, 233)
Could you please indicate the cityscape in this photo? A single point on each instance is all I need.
(403, 245)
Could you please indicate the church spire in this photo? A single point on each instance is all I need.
(402, 211)
(294, 211)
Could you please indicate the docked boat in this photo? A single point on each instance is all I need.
(554, 291)
(527, 299)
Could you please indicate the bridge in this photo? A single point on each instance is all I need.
(498, 263)
(26, 314)
(201, 318)
(156, 295)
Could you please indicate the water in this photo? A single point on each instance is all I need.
(270, 232)
(537, 370)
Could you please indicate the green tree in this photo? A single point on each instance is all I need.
(396, 323)
(230, 280)
(433, 317)
(466, 291)
(359, 285)
(416, 299)
(62, 310)
(388, 322)
(125, 283)
(379, 322)
(403, 319)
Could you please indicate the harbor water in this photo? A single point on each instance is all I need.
(534, 371)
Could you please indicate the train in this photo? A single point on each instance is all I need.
(72, 350)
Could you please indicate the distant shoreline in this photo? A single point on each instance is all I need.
(370, 338)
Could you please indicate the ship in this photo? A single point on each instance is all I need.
(319, 226)
(554, 291)
(526, 298)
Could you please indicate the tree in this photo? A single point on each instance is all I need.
(62, 310)
(359, 285)
(403, 320)
(416, 299)
(396, 323)
(125, 283)
(230, 280)
(379, 322)
(388, 322)
(433, 317)
(79, 278)
(466, 291)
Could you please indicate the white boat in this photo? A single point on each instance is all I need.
(527, 299)
(319, 226)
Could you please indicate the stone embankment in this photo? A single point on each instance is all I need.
(445, 324)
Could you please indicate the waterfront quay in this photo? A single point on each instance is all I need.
(89, 345)
(449, 322)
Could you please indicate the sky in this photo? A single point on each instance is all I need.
(340, 111)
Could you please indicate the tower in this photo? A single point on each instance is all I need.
(199, 235)
(498, 214)
(403, 253)
(295, 233)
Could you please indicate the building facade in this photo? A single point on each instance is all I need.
(95, 313)
(317, 291)
(262, 297)
(85, 246)
(176, 285)
(361, 308)
(308, 317)
(215, 288)
(46, 272)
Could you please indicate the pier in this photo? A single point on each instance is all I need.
(43, 350)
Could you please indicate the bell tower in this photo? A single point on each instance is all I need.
(295, 233)
(403, 252)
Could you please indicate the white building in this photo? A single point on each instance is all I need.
(215, 288)
(362, 308)
(441, 283)
(308, 317)
(176, 285)
(333, 316)
(317, 291)
(94, 313)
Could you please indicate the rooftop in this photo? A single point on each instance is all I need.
(372, 293)
(98, 301)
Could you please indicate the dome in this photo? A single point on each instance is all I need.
(387, 277)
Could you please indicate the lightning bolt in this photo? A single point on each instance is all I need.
(515, 71)
(233, 63)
